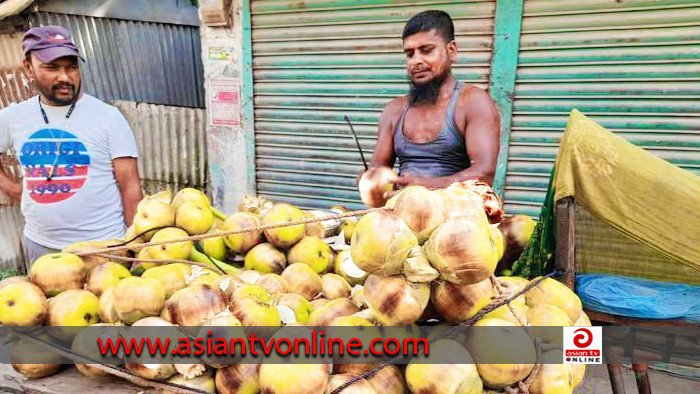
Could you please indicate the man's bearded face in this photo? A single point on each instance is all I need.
(428, 63)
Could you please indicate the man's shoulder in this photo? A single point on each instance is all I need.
(473, 92)
(19, 107)
(97, 103)
(396, 105)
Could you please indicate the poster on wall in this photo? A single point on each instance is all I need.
(224, 104)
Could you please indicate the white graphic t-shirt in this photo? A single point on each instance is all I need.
(81, 200)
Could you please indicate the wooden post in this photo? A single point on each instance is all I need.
(565, 254)
(642, 377)
(616, 381)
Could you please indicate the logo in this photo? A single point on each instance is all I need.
(40, 153)
(57, 38)
(583, 345)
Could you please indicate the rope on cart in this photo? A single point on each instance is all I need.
(227, 233)
(112, 370)
(524, 385)
(169, 261)
(469, 322)
(502, 293)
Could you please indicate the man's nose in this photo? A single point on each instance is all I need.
(415, 60)
(63, 75)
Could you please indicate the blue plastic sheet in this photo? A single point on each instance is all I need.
(639, 298)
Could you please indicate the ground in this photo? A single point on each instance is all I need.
(70, 381)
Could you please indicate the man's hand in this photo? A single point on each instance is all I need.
(415, 180)
(127, 174)
(14, 191)
(10, 187)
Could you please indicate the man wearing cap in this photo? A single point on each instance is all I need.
(78, 155)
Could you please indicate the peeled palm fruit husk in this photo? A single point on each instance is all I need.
(238, 379)
(422, 210)
(334, 286)
(136, 298)
(550, 291)
(284, 237)
(502, 339)
(56, 272)
(459, 302)
(204, 382)
(345, 267)
(324, 315)
(545, 315)
(462, 202)
(173, 277)
(104, 276)
(192, 305)
(84, 345)
(311, 250)
(553, 377)
(273, 284)
(374, 183)
(255, 204)
(265, 258)
(462, 250)
(395, 300)
(500, 242)
(388, 380)
(381, 242)
(287, 378)
(358, 386)
(22, 304)
(444, 378)
(417, 268)
(517, 231)
(303, 280)
(34, 361)
(189, 194)
(583, 321)
(492, 204)
(151, 215)
(243, 242)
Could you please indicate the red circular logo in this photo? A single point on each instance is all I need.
(583, 339)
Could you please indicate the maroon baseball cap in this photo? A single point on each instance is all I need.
(49, 43)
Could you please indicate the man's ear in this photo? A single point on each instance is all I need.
(452, 51)
(28, 69)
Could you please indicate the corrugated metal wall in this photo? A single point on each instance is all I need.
(137, 61)
(315, 62)
(172, 145)
(633, 66)
(10, 55)
(11, 224)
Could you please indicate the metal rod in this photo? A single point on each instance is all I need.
(357, 141)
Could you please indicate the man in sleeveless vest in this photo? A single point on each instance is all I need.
(443, 131)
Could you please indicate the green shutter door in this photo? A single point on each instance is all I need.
(316, 61)
(633, 66)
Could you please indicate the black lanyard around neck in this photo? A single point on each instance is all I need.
(58, 145)
(46, 118)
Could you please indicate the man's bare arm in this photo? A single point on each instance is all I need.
(482, 136)
(9, 186)
(126, 172)
(384, 154)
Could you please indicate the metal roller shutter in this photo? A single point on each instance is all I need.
(633, 66)
(316, 61)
